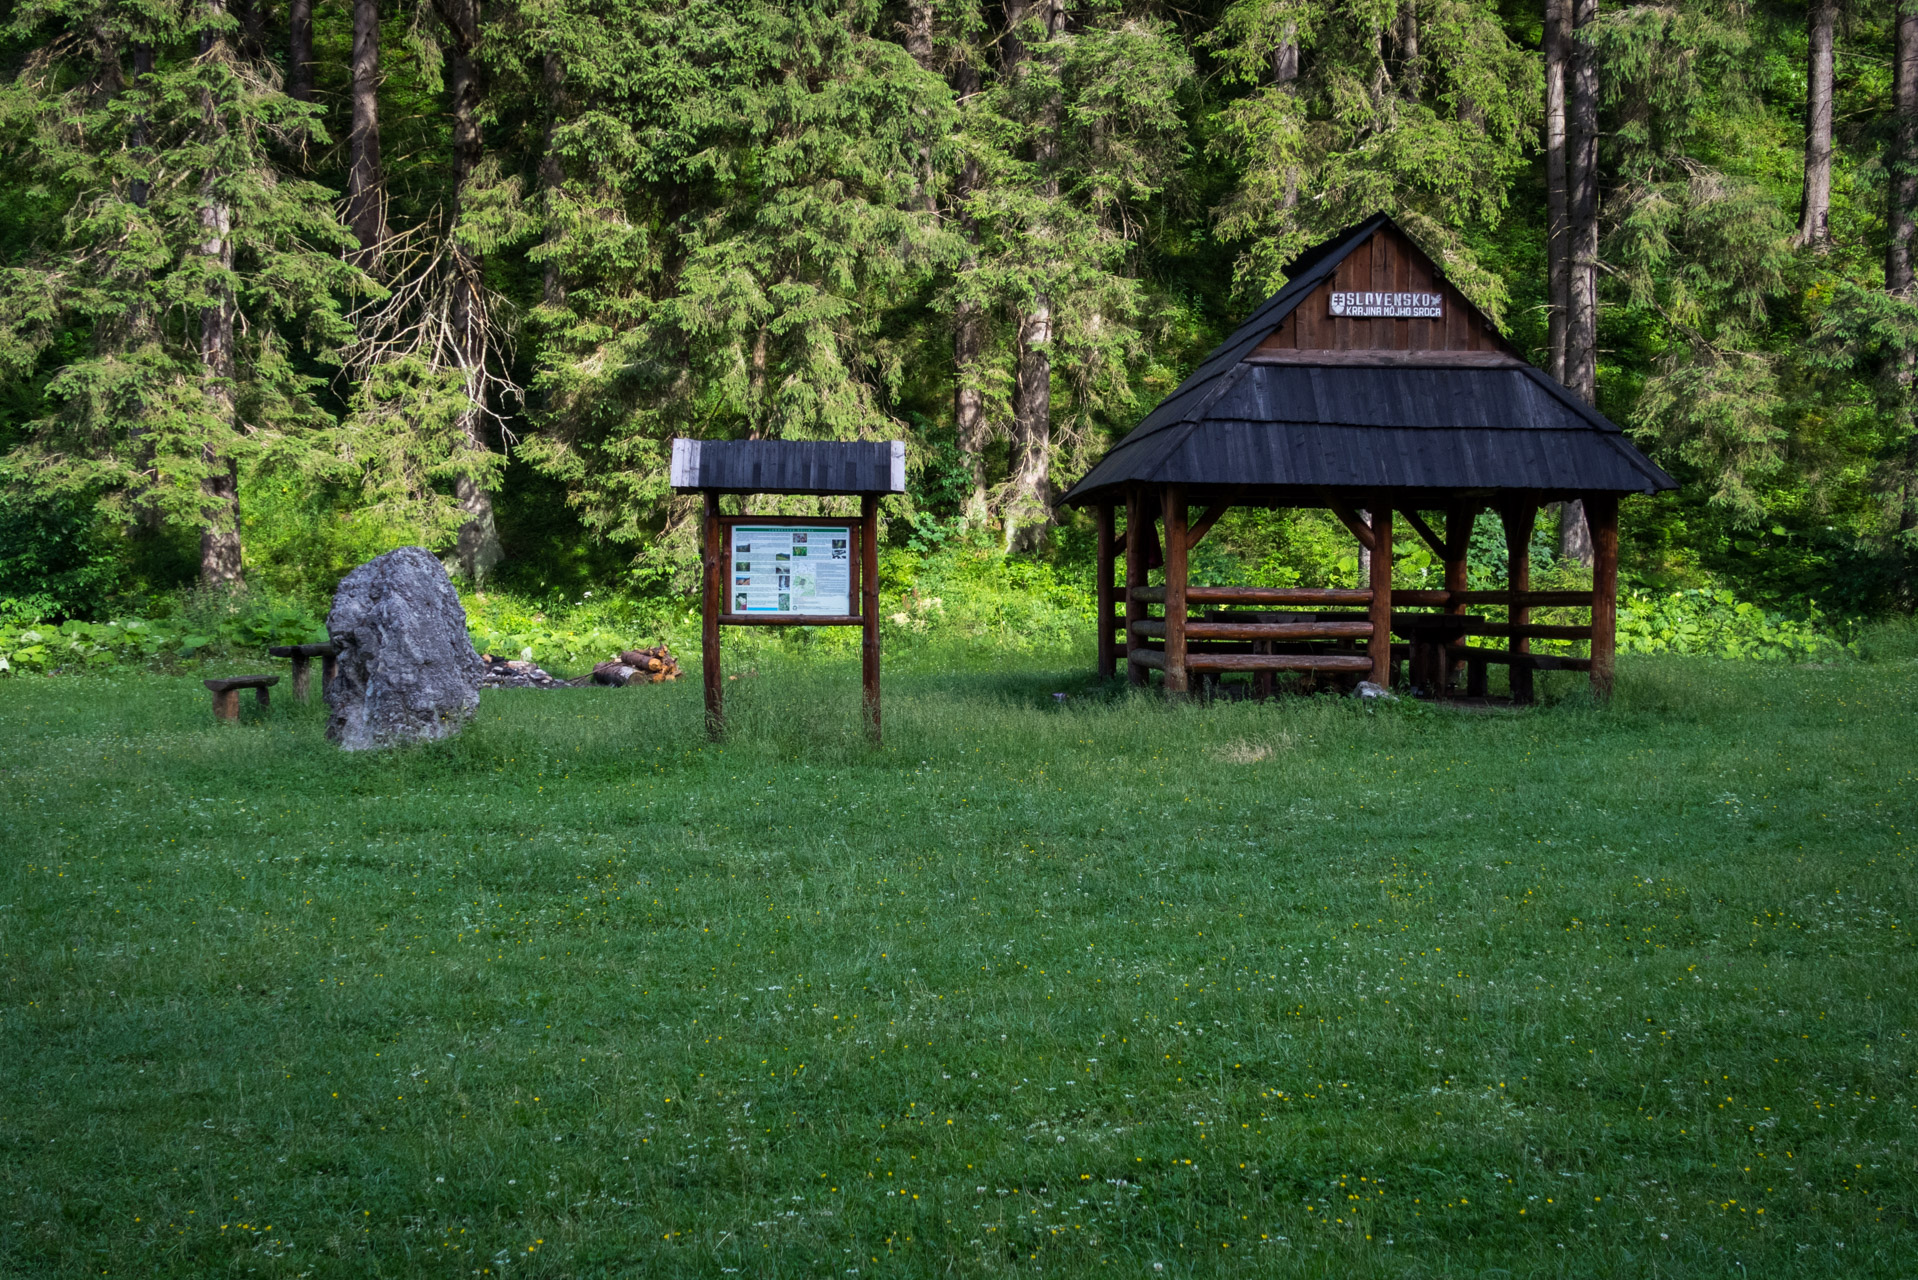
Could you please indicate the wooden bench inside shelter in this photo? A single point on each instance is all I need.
(303, 655)
(226, 693)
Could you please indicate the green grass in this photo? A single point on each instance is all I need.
(1108, 988)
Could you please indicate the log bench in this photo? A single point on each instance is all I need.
(303, 655)
(226, 693)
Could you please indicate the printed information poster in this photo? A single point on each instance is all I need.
(785, 569)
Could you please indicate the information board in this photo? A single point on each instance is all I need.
(791, 569)
(1399, 306)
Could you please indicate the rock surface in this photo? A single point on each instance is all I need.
(407, 670)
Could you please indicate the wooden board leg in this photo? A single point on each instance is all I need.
(710, 609)
(329, 671)
(1601, 514)
(1175, 574)
(1518, 519)
(1380, 646)
(1459, 517)
(869, 610)
(226, 705)
(1135, 575)
(259, 696)
(1475, 679)
(302, 676)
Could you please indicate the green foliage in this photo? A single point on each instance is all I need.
(569, 637)
(1434, 140)
(1719, 625)
(76, 645)
(54, 563)
(177, 220)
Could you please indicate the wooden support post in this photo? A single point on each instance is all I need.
(260, 698)
(302, 676)
(1173, 505)
(709, 611)
(869, 610)
(1108, 649)
(329, 671)
(1380, 646)
(1458, 539)
(226, 705)
(1518, 517)
(1135, 557)
(1601, 514)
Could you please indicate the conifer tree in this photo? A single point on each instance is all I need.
(186, 258)
(1431, 134)
(743, 211)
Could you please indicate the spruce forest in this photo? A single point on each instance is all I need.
(289, 283)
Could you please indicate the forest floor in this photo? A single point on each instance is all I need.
(1307, 988)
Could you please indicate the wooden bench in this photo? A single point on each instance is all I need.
(226, 693)
(303, 655)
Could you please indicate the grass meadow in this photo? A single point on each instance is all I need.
(1100, 987)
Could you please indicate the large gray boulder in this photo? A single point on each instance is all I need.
(407, 670)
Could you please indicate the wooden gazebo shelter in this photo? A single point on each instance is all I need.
(1368, 385)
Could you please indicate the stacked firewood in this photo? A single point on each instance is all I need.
(639, 666)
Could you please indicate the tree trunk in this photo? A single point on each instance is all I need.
(919, 44)
(969, 328)
(365, 199)
(253, 16)
(1581, 320)
(1409, 83)
(1814, 214)
(220, 563)
(1285, 58)
(479, 548)
(552, 180)
(1028, 501)
(1902, 219)
(299, 49)
(1902, 215)
(1558, 20)
(142, 68)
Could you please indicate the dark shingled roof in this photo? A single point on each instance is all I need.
(788, 466)
(1338, 425)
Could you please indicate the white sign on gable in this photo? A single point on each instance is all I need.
(1394, 306)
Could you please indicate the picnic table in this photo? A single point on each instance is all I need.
(303, 655)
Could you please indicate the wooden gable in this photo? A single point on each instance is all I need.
(1386, 262)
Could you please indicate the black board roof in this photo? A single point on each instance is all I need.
(1438, 425)
(788, 466)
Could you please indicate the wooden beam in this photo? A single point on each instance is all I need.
(709, 620)
(1134, 572)
(1601, 514)
(1206, 521)
(1424, 531)
(1174, 513)
(792, 620)
(1522, 661)
(1155, 628)
(1155, 659)
(1385, 359)
(1518, 519)
(1459, 517)
(1381, 605)
(1258, 595)
(1104, 590)
(1345, 513)
(869, 610)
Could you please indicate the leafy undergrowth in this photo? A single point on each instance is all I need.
(1717, 624)
(1098, 986)
(966, 605)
